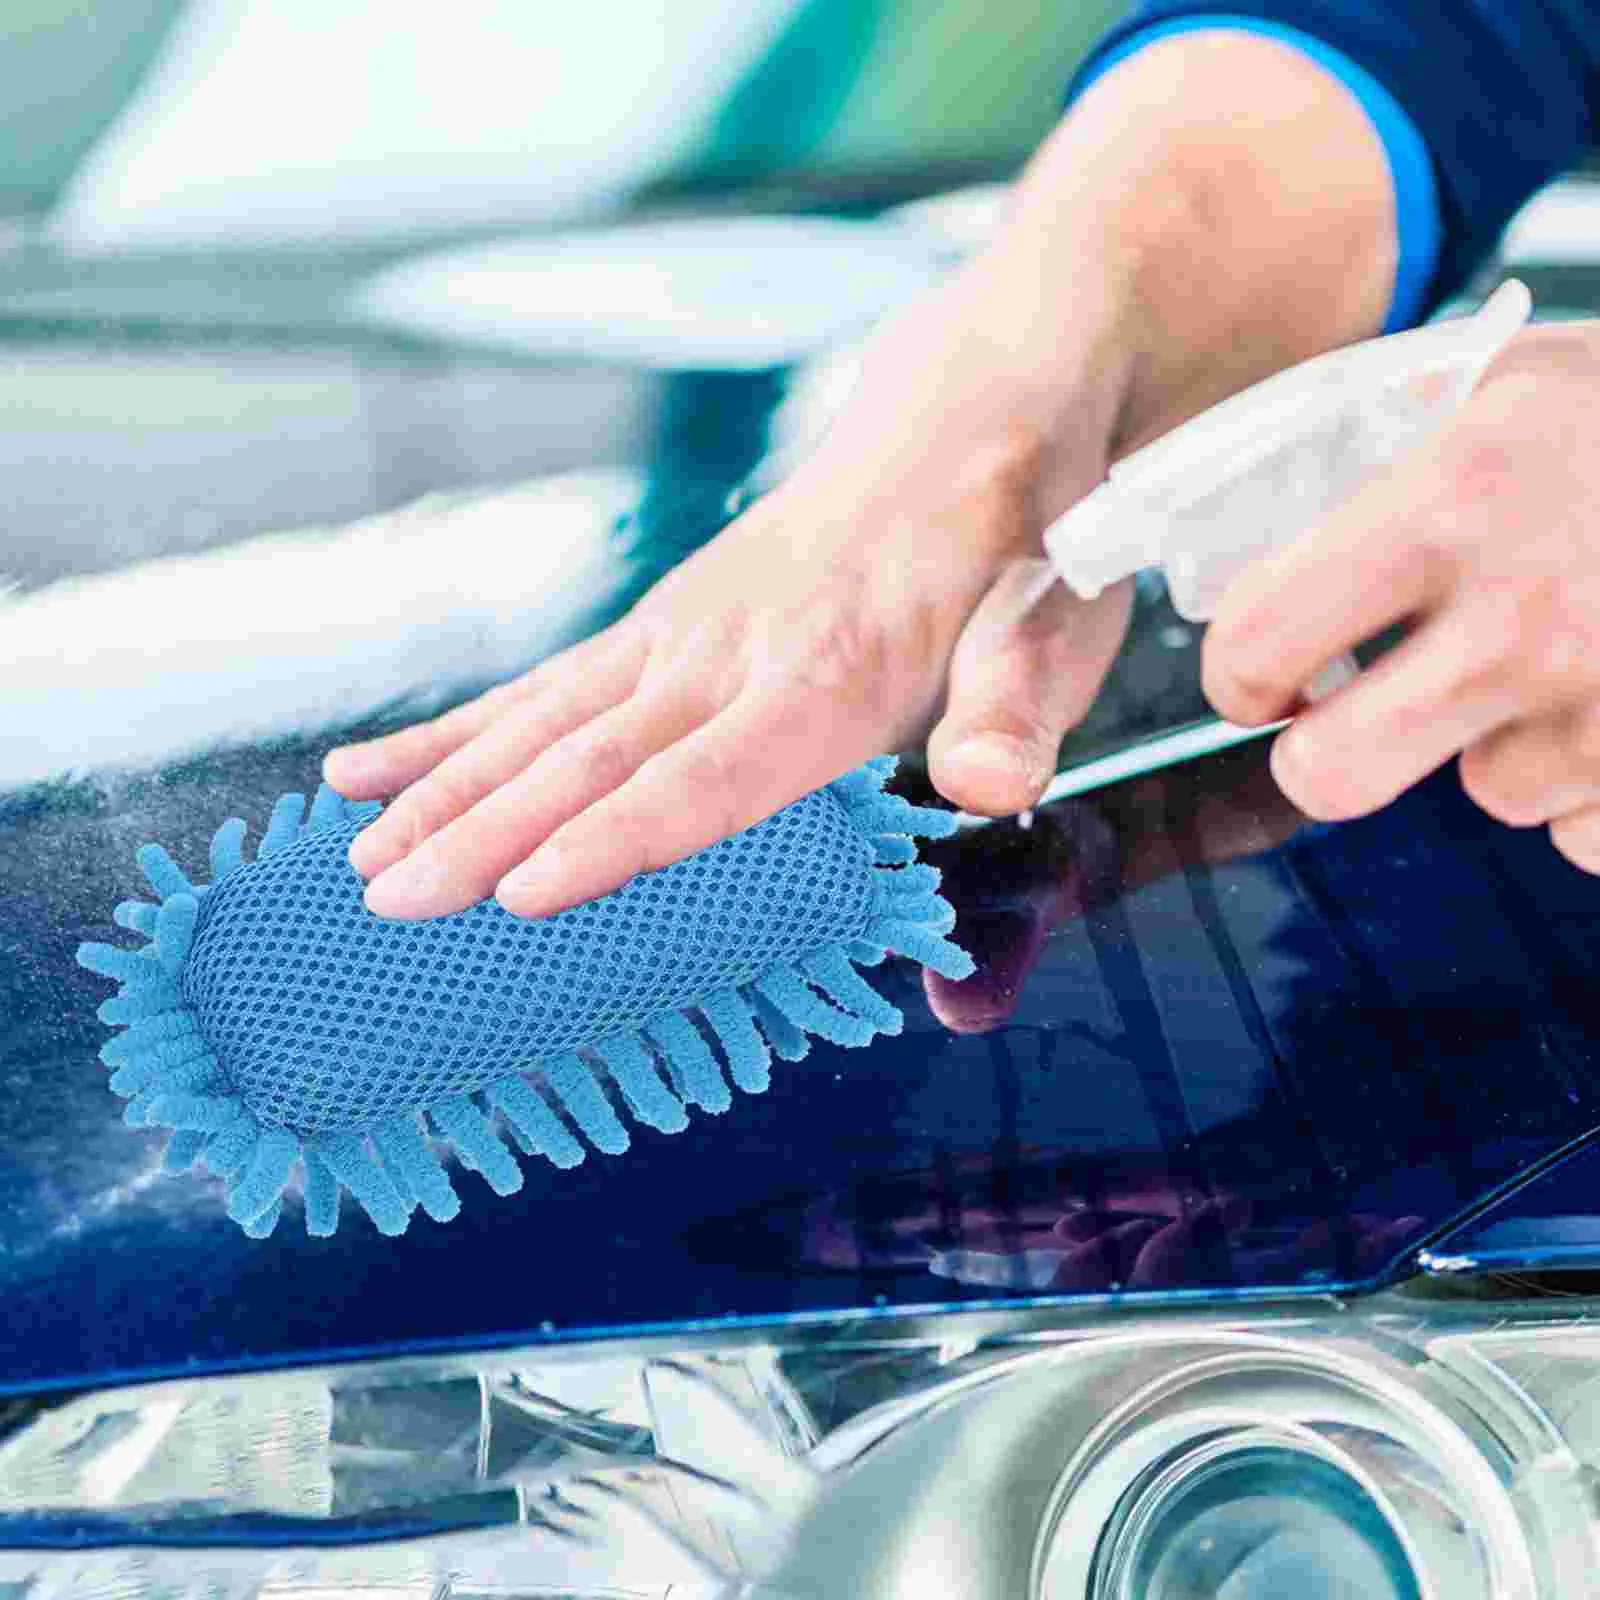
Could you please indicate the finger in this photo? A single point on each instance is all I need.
(1026, 669)
(1079, 1226)
(1006, 945)
(1577, 837)
(1194, 1248)
(1288, 616)
(374, 768)
(1437, 693)
(1538, 769)
(516, 736)
(1105, 1261)
(750, 761)
(461, 864)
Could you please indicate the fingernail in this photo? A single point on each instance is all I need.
(369, 854)
(405, 889)
(1321, 781)
(1288, 759)
(536, 887)
(349, 760)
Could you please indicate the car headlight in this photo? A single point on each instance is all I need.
(1385, 1452)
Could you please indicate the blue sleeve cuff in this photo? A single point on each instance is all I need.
(1417, 215)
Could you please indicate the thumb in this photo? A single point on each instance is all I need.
(1025, 670)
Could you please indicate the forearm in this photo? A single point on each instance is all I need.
(1213, 209)
(1501, 97)
(1249, 216)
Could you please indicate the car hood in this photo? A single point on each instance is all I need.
(1203, 1084)
(1211, 1049)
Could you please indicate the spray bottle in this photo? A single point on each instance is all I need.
(1268, 464)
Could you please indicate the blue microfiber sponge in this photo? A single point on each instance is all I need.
(273, 1023)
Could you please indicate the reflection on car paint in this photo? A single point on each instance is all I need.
(1220, 1050)
(1331, 1203)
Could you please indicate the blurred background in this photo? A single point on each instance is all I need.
(205, 206)
(284, 267)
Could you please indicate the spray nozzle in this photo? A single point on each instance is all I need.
(1265, 465)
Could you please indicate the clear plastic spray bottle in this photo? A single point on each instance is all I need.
(1269, 463)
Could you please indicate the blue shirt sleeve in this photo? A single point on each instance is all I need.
(1503, 95)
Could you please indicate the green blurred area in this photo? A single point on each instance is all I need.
(850, 88)
(886, 86)
(949, 82)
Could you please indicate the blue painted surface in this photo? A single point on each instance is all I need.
(1209, 1051)
(1284, 1070)
(1551, 1223)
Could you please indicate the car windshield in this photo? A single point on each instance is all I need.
(305, 447)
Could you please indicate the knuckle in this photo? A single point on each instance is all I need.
(997, 490)
(1584, 740)
(628, 846)
(657, 633)
(1563, 651)
(1017, 723)
(404, 827)
(1530, 628)
(1565, 636)
(1578, 839)
(1482, 469)
(1438, 562)
(416, 816)
(1489, 681)
(447, 793)
(1494, 781)
(712, 782)
(1500, 631)
(615, 834)
(703, 667)
(1244, 686)
(710, 774)
(607, 762)
(847, 655)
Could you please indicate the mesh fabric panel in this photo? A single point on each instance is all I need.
(328, 1018)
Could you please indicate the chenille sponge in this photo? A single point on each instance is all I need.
(291, 1040)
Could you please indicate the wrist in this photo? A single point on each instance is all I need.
(996, 366)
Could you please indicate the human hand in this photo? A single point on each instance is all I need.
(1166, 247)
(885, 586)
(1487, 542)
